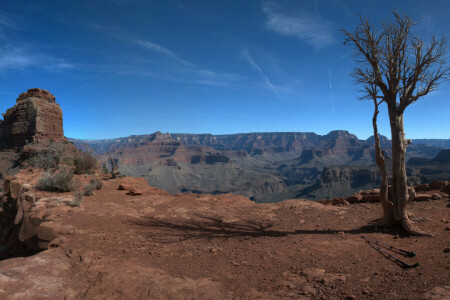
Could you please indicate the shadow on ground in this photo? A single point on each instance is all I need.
(206, 227)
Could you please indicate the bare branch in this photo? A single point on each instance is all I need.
(396, 61)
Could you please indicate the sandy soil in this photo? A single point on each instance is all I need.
(239, 249)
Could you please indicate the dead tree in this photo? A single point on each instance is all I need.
(397, 68)
(114, 170)
(370, 91)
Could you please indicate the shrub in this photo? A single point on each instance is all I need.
(105, 169)
(94, 184)
(54, 155)
(97, 183)
(85, 162)
(77, 199)
(89, 189)
(61, 181)
(44, 161)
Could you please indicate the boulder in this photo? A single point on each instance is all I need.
(355, 198)
(134, 192)
(421, 197)
(124, 187)
(47, 231)
(422, 188)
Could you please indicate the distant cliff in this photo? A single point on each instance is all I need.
(266, 166)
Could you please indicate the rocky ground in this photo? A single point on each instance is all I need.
(189, 246)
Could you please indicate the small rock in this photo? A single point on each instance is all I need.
(447, 250)
(124, 187)
(134, 192)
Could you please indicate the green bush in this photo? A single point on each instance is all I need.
(85, 162)
(61, 181)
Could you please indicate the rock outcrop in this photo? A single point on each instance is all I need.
(35, 117)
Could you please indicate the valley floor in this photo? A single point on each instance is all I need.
(188, 246)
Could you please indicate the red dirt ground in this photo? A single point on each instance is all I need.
(157, 246)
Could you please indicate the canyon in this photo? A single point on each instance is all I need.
(266, 166)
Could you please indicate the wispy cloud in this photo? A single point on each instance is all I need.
(162, 50)
(173, 67)
(6, 22)
(20, 58)
(246, 55)
(16, 54)
(309, 28)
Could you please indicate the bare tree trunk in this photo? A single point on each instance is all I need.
(381, 163)
(399, 178)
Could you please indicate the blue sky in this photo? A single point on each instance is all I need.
(123, 67)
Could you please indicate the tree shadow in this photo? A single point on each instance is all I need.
(206, 227)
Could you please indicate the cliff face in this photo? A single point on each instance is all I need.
(256, 142)
(423, 170)
(342, 181)
(35, 117)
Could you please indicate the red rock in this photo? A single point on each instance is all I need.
(133, 192)
(355, 198)
(46, 275)
(34, 118)
(422, 197)
(371, 198)
(124, 187)
(47, 231)
(340, 201)
(422, 188)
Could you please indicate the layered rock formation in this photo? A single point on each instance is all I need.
(268, 167)
(31, 131)
(35, 117)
